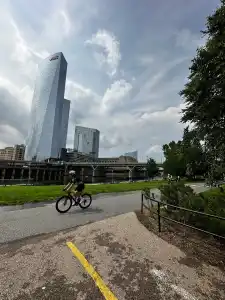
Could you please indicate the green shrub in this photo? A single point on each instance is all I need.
(210, 202)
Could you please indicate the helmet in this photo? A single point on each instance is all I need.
(72, 172)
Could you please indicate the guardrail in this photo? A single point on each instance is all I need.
(160, 216)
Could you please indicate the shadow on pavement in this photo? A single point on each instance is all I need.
(90, 210)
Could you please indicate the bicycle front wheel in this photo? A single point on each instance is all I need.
(85, 201)
(63, 204)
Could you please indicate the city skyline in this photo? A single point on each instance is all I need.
(126, 89)
(45, 135)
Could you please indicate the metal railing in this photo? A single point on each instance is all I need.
(165, 204)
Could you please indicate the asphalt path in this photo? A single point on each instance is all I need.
(116, 259)
(23, 223)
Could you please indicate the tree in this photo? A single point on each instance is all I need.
(194, 155)
(204, 94)
(174, 163)
(186, 157)
(152, 168)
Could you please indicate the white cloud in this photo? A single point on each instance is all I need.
(115, 95)
(8, 134)
(67, 24)
(115, 140)
(187, 40)
(145, 60)
(132, 98)
(57, 28)
(154, 150)
(109, 54)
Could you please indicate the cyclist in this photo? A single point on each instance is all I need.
(69, 188)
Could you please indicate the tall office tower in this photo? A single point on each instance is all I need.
(133, 154)
(86, 140)
(65, 122)
(45, 137)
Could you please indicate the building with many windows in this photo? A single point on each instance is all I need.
(13, 153)
(65, 122)
(45, 134)
(133, 154)
(86, 140)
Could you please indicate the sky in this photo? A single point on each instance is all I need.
(127, 62)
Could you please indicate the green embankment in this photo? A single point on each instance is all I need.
(15, 195)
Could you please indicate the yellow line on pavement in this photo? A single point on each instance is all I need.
(91, 271)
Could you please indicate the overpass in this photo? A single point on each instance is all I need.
(102, 170)
(5, 163)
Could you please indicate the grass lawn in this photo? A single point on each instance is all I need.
(214, 192)
(15, 195)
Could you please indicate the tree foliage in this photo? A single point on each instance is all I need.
(185, 157)
(152, 168)
(174, 160)
(204, 94)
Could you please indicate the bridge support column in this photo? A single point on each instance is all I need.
(3, 175)
(43, 175)
(112, 175)
(13, 173)
(82, 174)
(60, 176)
(21, 174)
(49, 175)
(37, 173)
(145, 173)
(29, 175)
(66, 175)
(94, 179)
(130, 173)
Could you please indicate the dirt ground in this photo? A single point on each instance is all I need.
(198, 247)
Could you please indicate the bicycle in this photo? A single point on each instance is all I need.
(74, 201)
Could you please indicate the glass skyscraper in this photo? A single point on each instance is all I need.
(86, 140)
(65, 121)
(45, 134)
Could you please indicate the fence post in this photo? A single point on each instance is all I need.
(159, 219)
(153, 197)
(142, 200)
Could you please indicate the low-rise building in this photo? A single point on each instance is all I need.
(13, 153)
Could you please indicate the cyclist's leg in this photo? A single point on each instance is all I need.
(70, 189)
(73, 194)
(79, 190)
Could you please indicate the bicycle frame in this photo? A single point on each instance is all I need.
(76, 199)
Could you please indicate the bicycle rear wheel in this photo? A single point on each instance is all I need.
(63, 204)
(85, 201)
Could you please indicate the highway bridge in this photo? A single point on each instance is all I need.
(4, 163)
(102, 170)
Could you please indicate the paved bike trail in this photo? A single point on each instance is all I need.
(132, 262)
(22, 223)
